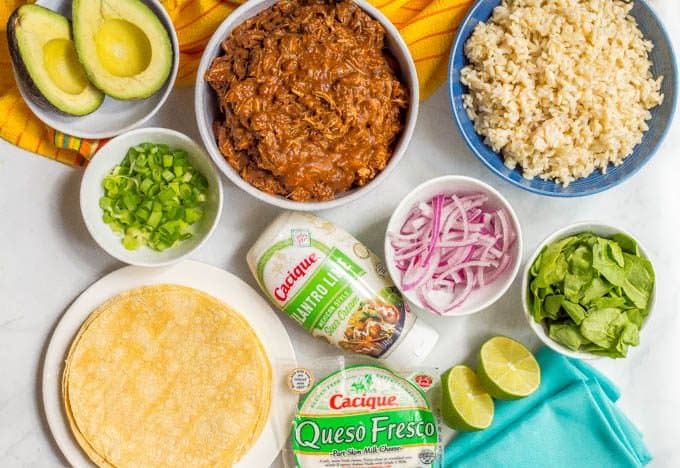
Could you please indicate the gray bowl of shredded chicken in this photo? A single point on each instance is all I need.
(306, 104)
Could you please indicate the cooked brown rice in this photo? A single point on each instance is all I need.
(560, 87)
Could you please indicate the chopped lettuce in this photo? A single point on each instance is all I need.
(603, 326)
(576, 312)
(592, 293)
(567, 334)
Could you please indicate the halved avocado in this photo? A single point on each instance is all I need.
(45, 60)
(123, 46)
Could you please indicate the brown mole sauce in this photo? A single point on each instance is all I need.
(311, 100)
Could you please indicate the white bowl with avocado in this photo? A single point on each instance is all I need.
(99, 75)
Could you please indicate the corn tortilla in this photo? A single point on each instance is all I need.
(166, 376)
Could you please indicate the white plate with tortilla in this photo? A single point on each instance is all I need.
(221, 285)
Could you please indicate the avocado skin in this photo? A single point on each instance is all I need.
(22, 74)
(20, 67)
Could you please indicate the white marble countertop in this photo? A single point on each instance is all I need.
(47, 258)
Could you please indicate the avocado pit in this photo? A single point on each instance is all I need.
(123, 48)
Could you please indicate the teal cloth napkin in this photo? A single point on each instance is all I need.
(570, 421)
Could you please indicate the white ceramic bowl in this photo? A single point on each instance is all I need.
(480, 298)
(587, 226)
(111, 155)
(207, 108)
(114, 117)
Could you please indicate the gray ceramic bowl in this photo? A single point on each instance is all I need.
(114, 117)
(207, 109)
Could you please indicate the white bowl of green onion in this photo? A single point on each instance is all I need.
(150, 197)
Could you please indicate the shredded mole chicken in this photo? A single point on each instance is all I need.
(311, 100)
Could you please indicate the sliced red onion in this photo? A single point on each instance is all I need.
(451, 245)
(415, 275)
(437, 206)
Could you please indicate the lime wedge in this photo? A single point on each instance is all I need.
(508, 370)
(465, 404)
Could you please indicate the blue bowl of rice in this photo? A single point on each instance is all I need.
(663, 63)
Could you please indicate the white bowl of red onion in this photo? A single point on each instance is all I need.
(453, 246)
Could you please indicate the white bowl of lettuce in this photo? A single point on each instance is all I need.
(588, 291)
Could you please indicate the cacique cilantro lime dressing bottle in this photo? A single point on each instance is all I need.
(337, 289)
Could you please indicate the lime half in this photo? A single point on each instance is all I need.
(466, 406)
(507, 369)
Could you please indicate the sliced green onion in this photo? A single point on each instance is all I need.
(145, 185)
(153, 197)
(167, 175)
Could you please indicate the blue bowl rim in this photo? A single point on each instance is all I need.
(459, 42)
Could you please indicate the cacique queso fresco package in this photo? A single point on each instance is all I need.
(361, 414)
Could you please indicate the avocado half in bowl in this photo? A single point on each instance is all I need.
(44, 55)
(123, 46)
(126, 51)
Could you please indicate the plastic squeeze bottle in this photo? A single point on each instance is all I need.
(337, 289)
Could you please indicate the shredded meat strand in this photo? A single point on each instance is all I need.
(310, 97)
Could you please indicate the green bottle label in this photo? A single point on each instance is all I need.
(325, 290)
(335, 292)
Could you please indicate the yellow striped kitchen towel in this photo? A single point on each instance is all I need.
(427, 26)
